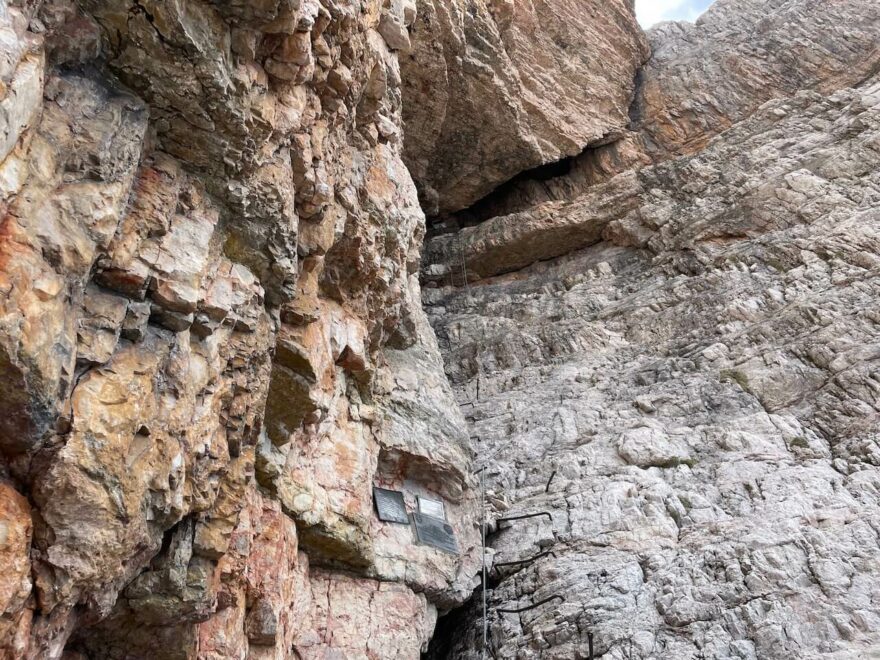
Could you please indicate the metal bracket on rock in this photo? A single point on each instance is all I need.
(525, 561)
(532, 606)
(525, 516)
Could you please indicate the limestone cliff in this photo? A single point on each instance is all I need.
(678, 362)
(211, 337)
(650, 262)
(495, 88)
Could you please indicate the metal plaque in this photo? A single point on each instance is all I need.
(390, 506)
(433, 508)
(434, 532)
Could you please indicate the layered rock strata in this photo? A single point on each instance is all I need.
(658, 322)
(676, 369)
(704, 77)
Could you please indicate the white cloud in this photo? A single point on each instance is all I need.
(650, 12)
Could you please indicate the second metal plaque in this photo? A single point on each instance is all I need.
(390, 506)
(433, 508)
(436, 533)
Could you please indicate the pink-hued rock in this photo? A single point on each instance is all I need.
(268, 603)
(356, 618)
(16, 529)
(209, 305)
(493, 89)
(704, 77)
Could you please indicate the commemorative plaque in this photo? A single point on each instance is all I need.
(435, 532)
(433, 508)
(390, 506)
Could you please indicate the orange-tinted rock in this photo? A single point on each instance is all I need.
(209, 242)
(704, 77)
(15, 578)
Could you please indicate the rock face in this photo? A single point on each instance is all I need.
(211, 337)
(704, 77)
(492, 89)
(678, 364)
(654, 285)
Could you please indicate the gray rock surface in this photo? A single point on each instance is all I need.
(688, 383)
(213, 345)
(704, 77)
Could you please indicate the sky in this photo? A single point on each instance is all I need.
(654, 11)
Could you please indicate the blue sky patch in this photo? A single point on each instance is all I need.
(650, 12)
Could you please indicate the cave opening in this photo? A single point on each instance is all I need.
(455, 635)
(459, 632)
(513, 195)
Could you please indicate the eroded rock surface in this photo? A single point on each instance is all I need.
(211, 337)
(704, 77)
(658, 321)
(679, 365)
(492, 89)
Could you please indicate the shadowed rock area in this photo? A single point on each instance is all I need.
(495, 88)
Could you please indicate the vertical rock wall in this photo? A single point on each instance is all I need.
(673, 367)
(211, 337)
(701, 79)
(212, 342)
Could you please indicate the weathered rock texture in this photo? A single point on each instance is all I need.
(704, 77)
(492, 89)
(211, 337)
(680, 363)
(212, 342)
